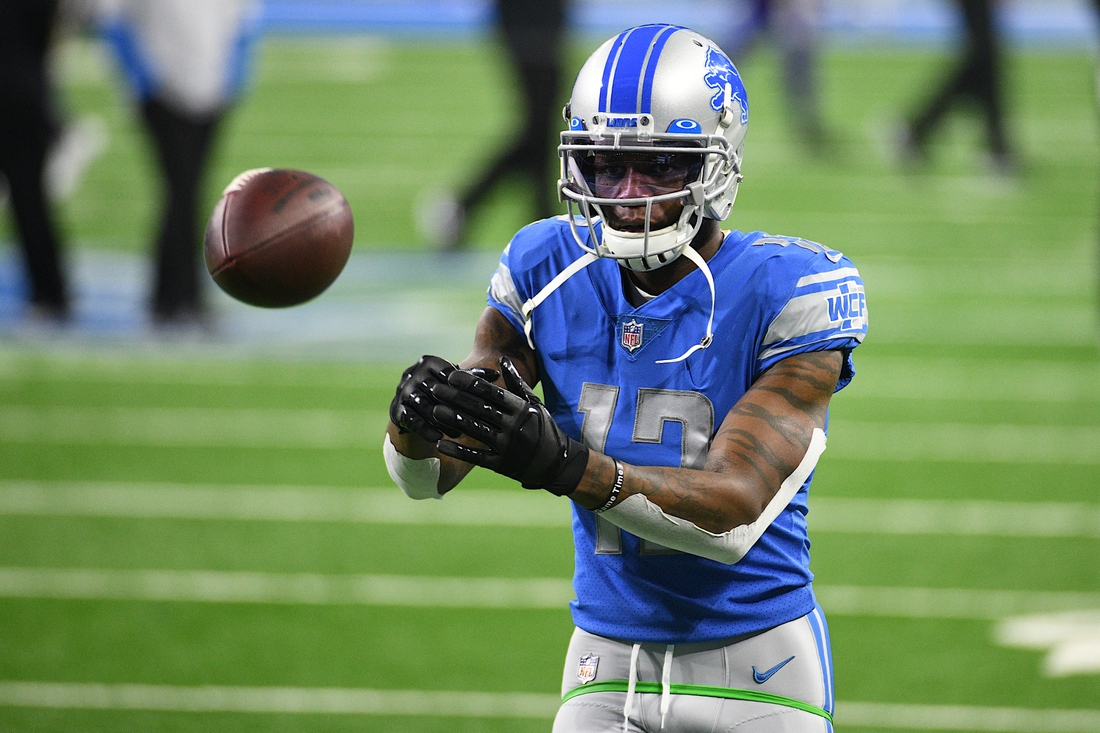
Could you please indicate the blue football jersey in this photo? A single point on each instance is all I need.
(597, 359)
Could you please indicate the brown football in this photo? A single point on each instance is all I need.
(278, 237)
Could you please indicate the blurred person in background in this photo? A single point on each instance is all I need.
(186, 62)
(533, 35)
(793, 26)
(28, 128)
(975, 78)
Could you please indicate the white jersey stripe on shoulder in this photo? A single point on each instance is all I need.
(842, 310)
(503, 289)
(823, 277)
(580, 220)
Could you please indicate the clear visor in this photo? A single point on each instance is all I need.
(616, 170)
(632, 174)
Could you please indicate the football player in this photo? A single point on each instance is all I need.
(687, 373)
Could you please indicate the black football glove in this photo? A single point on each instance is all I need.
(523, 441)
(411, 408)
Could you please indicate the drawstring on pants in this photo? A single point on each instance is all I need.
(666, 683)
(632, 683)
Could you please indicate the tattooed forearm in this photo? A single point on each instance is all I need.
(759, 444)
(791, 428)
(678, 494)
(817, 371)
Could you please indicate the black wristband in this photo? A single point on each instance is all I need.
(575, 461)
(620, 474)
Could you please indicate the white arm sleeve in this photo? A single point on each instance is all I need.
(417, 478)
(641, 517)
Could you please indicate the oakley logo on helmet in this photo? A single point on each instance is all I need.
(722, 76)
(685, 127)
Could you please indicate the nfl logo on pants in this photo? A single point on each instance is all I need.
(586, 671)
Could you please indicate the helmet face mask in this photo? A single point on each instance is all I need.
(656, 120)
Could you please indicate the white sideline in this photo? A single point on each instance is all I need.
(320, 428)
(210, 586)
(480, 507)
(328, 701)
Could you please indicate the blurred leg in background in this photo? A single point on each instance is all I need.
(794, 28)
(28, 127)
(976, 79)
(186, 61)
(533, 35)
(183, 145)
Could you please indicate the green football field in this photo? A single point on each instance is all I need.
(199, 537)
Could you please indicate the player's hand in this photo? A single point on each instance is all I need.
(522, 440)
(411, 408)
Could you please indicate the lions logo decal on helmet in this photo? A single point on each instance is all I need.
(722, 76)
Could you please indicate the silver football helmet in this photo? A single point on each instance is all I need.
(664, 101)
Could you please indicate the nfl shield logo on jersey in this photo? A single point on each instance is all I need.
(586, 672)
(632, 335)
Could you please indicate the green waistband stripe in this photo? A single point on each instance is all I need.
(727, 693)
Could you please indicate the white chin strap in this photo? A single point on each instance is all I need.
(697, 258)
(587, 259)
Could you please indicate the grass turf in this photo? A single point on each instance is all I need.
(982, 299)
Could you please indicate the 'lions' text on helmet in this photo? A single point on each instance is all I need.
(657, 119)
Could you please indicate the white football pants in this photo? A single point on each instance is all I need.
(778, 681)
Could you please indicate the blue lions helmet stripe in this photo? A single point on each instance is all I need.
(628, 73)
(612, 57)
(646, 97)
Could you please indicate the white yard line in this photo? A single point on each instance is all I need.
(947, 603)
(1012, 444)
(193, 427)
(353, 701)
(483, 507)
(208, 586)
(211, 699)
(467, 507)
(309, 428)
(954, 517)
(965, 718)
